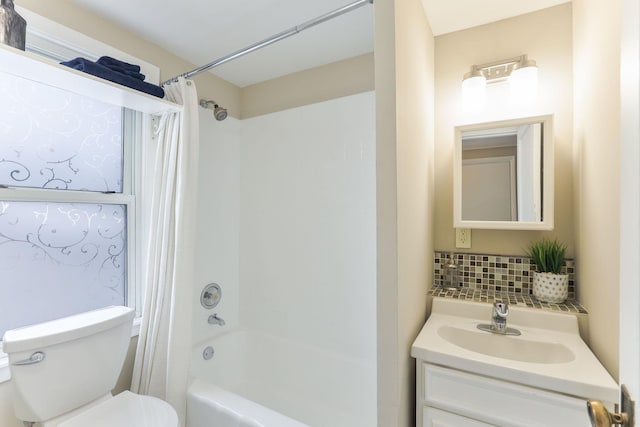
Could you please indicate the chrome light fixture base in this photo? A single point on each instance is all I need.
(497, 71)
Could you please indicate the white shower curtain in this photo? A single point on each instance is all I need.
(164, 344)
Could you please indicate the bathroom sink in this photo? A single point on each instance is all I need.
(549, 354)
(506, 347)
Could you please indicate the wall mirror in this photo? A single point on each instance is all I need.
(503, 175)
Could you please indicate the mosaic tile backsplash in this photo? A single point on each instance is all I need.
(496, 273)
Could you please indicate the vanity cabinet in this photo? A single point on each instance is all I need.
(448, 397)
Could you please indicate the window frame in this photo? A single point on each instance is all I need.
(132, 149)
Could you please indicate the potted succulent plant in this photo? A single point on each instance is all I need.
(549, 285)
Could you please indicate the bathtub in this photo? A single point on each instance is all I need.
(211, 406)
(257, 380)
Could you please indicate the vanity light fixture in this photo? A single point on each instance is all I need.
(521, 73)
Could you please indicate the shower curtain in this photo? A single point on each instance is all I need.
(164, 344)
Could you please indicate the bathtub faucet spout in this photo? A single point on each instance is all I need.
(215, 320)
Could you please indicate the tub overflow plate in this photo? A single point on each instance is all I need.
(208, 353)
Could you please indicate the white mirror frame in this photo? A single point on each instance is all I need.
(547, 180)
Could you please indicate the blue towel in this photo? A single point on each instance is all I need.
(108, 61)
(103, 72)
(122, 67)
(126, 72)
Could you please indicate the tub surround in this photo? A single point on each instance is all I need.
(268, 239)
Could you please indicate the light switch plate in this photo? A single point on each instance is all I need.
(463, 238)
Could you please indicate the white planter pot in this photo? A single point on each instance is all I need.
(550, 287)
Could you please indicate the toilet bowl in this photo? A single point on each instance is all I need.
(63, 371)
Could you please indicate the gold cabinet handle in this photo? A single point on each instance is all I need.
(601, 417)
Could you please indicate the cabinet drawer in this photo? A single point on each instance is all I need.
(432, 417)
(498, 402)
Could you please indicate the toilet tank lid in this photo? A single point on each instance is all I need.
(65, 329)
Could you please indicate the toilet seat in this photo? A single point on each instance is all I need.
(126, 410)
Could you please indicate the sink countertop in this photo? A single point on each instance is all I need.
(514, 299)
(582, 376)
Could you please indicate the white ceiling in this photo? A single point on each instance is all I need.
(201, 31)
(446, 16)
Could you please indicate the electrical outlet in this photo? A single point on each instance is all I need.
(463, 238)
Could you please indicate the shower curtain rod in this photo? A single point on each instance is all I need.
(275, 38)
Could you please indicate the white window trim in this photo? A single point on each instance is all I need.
(52, 40)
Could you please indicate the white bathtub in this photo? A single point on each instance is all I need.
(211, 406)
(256, 380)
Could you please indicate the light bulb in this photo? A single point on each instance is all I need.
(474, 93)
(523, 84)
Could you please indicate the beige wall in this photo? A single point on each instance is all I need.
(415, 150)
(455, 53)
(388, 384)
(596, 170)
(7, 419)
(405, 113)
(348, 77)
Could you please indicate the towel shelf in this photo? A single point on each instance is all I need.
(33, 67)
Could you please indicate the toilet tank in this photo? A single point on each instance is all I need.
(83, 357)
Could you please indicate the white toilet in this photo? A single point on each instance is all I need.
(63, 372)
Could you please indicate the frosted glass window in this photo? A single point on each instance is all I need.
(58, 259)
(50, 138)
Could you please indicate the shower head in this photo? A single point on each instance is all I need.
(219, 112)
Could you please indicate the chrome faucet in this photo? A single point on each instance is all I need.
(215, 320)
(499, 321)
(499, 317)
